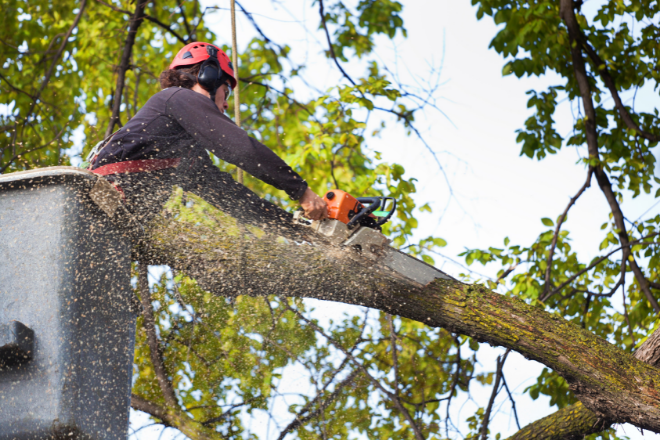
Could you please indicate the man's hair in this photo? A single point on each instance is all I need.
(184, 76)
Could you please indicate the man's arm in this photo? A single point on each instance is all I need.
(212, 130)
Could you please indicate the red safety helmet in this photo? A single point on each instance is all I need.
(194, 53)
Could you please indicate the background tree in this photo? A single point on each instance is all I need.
(205, 364)
(601, 59)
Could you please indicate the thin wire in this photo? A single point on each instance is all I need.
(234, 58)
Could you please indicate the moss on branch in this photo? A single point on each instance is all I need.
(228, 258)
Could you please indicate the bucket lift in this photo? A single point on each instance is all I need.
(67, 327)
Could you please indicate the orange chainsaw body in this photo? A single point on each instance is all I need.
(341, 205)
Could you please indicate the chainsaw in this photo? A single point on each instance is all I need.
(355, 223)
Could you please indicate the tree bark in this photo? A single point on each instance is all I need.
(576, 421)
(228, 259)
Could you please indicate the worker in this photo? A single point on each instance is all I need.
(167, 140)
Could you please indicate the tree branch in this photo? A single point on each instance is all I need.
(567, 13)
(124, 64)
(330, 47)
(166, 27)
(148, 17)
(555, 237)
(395, 399)
(9, 162)
(49, 73)
(176, 419)
(575, 422)
(257, 28)
(140, 404)
(298, 421)
(604, 73)
(605, 378)
(493, 394)
(597, 262)
(185, 19)
(395, 358)
(512, 400)
(152, 339)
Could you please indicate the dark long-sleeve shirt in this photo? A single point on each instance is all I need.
(175, 122)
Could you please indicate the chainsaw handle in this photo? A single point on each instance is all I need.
(382, 207)
(374, 204)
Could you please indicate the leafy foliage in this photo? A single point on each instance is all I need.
(615, 40)
(225, 358)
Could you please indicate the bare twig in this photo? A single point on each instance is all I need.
(507, 272)
(395, 358)
(152, 339)
(168, 28)
(496, 386)
(114, 8)
(228, 411)
(185, 19)
(625, 313)
(257, 28)
(513, 402)
(321, 407)
(454, 383)
(148, 17)
(613, 290)
(330, 47)
(377, 384)
(548, 269)
(598, 261)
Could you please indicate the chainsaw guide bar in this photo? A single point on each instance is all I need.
(369, 243)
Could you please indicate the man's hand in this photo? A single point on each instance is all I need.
(315, 207)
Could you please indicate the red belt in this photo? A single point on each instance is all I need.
(137, 166)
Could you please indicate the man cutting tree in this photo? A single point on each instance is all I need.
(167, 141)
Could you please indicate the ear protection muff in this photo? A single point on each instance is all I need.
(211, 76)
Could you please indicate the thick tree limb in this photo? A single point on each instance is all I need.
(573, 422)
(567, 13)
(576, 421)
(150, 408)
(229, 260)
(124, 64)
